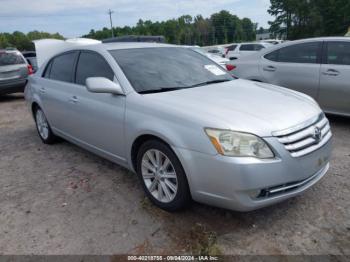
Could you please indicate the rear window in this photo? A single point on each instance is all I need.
(231, 47)
(10, 58)
(29, 54)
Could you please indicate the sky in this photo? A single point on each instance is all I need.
(73, 18)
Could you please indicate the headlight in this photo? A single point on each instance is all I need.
(237, 144)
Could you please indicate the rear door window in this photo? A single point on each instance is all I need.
(251, 47)
(299, 53)
(338, 53)
(247, 48)
(91, 64)
(62, 67)
(258, 47)
(10, 58)
(273, 56)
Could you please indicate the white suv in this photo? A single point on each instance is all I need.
(234, 51)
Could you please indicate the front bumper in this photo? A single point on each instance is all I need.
(245, 184)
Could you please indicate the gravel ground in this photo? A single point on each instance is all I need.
(61, 199)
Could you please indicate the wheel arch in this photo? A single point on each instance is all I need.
(139, 141)
(33, 107)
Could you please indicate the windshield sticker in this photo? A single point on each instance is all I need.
(214, 70)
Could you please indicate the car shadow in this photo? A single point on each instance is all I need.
(339, 120)
(11, 97)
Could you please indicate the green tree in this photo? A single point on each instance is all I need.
(23, 41)
(309, 18)
(220, 28)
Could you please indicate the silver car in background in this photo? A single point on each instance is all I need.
(236, 51)
(183, 124)
(14, 71)
(217, 59)
(318, 67)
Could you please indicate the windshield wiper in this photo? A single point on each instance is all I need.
(160, 90)
(166, 89)
(211, 82)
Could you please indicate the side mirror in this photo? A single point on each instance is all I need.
(103, 85)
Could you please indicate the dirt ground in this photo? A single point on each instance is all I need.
(61, 199)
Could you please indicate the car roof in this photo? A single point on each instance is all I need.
(317, 39)
(301, 41)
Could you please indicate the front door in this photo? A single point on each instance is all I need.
(97, 119)
(334, 94)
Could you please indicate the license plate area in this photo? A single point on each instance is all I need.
(10, 75)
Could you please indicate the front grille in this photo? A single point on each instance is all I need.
(307, 137)
(285, 188)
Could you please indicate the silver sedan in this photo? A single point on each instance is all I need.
(183, 124)
(318, 67)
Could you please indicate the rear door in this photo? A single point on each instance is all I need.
(334, 93)
(296, 67)
(12, 67)
(57, 91)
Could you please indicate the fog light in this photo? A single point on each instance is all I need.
(254, 193)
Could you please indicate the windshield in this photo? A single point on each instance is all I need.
(163, 69)
(10, 58)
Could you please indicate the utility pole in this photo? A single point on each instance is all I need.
(110, 12)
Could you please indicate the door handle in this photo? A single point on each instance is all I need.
(74, 99)
(269, 68)
(331, 72)
(42, 90)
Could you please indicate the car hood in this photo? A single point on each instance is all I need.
(240, 105)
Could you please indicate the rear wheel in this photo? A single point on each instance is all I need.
(162, 176)
(43, 127)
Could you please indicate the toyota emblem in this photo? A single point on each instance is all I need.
(317, 135)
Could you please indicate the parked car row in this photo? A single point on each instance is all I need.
(183, 123)
(318, 67)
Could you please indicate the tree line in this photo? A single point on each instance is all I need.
(220, 28)
(293, 19)
(296, 19)
(23, 41)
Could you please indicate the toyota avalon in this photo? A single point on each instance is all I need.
(182, 123)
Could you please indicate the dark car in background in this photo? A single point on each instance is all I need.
(14, 71)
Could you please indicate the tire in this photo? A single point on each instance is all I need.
(42, 126)
(165, 184)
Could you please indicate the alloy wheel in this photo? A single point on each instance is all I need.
(42, 124)
(159, 175)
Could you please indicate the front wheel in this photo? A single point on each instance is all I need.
(162, 176)
(43, 127)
